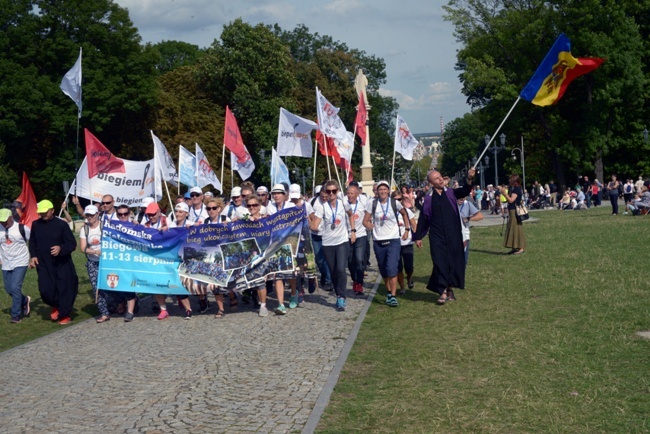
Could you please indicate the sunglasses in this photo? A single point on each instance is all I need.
(107, 203)
(251, 205)
(277, 192)
(122, 214)
(332, 191)
(212, 208)
(90, 215)
(196, 194)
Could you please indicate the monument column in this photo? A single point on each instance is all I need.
(367, 180)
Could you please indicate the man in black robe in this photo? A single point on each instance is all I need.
(50, 247)
(441, 219)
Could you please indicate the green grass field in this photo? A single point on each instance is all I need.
(543, 342)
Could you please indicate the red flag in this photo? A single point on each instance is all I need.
(27, 199)
(100, 159)
(327, 147)
(232, 137)
(360, 121)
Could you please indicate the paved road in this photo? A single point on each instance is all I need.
(241, 373)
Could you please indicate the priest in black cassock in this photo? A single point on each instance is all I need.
(441, 219)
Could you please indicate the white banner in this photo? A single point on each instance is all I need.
(164, 162)
(405, 142)
(204, 173)
(294, 135)
(127, 188)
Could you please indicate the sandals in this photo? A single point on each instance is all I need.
(442, 299)
(519, 252)
(219, 315)
(450, 295)
(102, 319)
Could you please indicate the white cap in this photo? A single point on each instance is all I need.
(278, 188)
(294, 191)
(318, 189)
(182, 206)
(91, 209)
(196, 190)
(208, 194)
(383, 183)
(235, 192)
(262, 189)
(146, 201)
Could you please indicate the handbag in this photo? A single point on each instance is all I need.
(522, 212)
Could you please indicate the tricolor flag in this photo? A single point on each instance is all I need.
(165, 166)
(556, 72)
(294, 135)
(361, 120)
(405, 143)
(204, 173)
(100, 159)
(71, 83)
(240, 159)
(329, 121)
(186, 167)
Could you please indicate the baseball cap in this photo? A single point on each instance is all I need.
(196, 190)
(208, 194)
(318, 189)
(278, 188)
(147, 200)
(235, 192)
(262, 189)
(44, 206)
(4, 215)
(294, 191)
(91, 209)
(187, 195)
(383, 183)
(182, 207)
(152, 208)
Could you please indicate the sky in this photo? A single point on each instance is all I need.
(417, 45)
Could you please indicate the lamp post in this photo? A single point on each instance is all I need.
(481, 168)
(496, 148)
(523, 159)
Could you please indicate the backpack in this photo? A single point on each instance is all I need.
(393, 204)
(628, 188)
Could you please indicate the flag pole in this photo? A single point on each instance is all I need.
(336, 169)
(313, 179)
(327, 158)
(478, 160)
(223, 161)
(392, 172)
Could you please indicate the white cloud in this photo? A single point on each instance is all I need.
(435, 93)
(342, 7)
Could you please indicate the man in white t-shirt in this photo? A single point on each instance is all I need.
(357, 252)
(235, 210)
(14, 255)
(198, 214)
(468, 212)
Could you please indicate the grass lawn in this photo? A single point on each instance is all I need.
(39, 324)
(543, 342)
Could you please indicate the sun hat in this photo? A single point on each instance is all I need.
(279, 188)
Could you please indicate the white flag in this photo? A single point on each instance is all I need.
(204, 173)
(329, 121)
(345, 147)
(186, 167)
(71, 83)
(165, 166)
(294, 135)
(244, 167)
(405, 143)
(279, 171)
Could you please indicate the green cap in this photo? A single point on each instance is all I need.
(4, 215)
(44, 206)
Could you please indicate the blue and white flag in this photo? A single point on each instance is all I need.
(279, 171)
(186, 167)
(71, 83)
(204, 173)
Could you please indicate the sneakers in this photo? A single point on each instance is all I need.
(340, 304)
(188, 314)
(15, 320)
(204, 304)
(391, 301)
(411, 285)
(327, 286)
(65, 320)
(129, 317)
(312, 285)
(402, 292)
(263, 311)
(293, 302)
(163, 314)
(280, 310)
(26, 306)
(54, 313)
(357, 288)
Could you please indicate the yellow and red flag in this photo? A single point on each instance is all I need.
(556, 72)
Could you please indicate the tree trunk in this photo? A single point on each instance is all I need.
(598, 165)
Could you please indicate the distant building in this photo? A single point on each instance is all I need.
(426, 145)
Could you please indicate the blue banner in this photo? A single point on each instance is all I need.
(139, 259)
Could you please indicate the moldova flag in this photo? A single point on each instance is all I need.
(558, 69)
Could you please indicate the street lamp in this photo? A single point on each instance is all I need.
(523, 159)
(496, 148)
(481, 168)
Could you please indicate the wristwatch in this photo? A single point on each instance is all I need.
(407, 229)
(353, 230)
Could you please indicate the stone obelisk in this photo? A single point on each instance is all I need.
(367, 181)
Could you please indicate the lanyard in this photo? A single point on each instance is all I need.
(334, 213)
(197, 216)
(384, 211)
